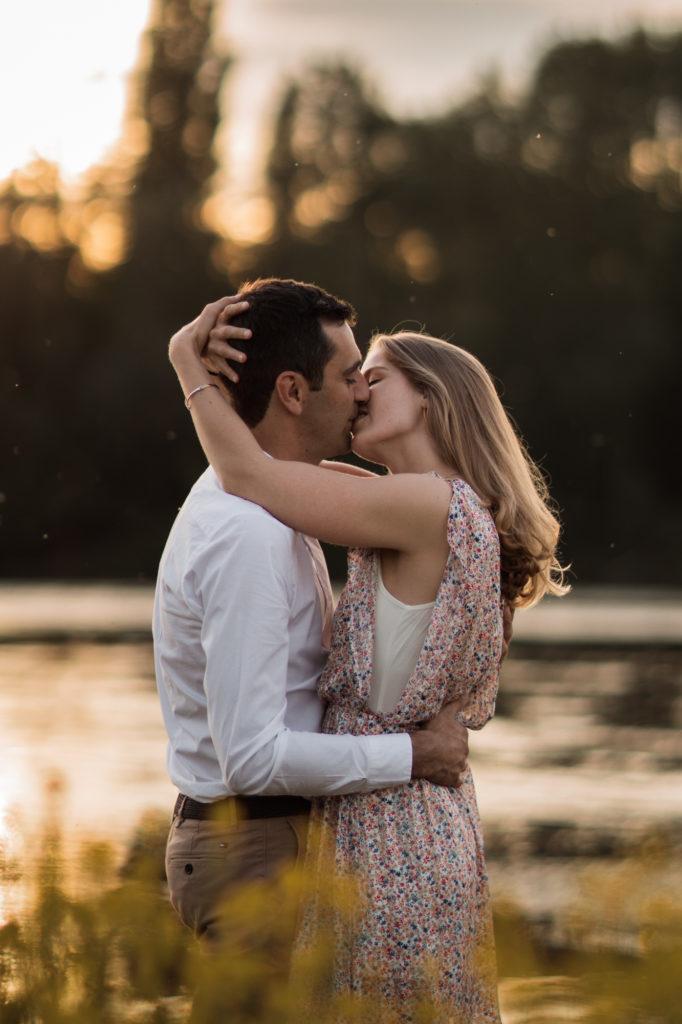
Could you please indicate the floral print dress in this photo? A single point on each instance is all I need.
(422, 927)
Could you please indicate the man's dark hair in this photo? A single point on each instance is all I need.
(286, 319)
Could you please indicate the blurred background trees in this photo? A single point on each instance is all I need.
(545, 235)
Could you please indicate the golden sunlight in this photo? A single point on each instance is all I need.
(63, 76)
(419, 254)
(248, 221)
(66, 67)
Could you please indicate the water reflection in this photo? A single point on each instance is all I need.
(86, 713)
(581, 764)
(565, 773)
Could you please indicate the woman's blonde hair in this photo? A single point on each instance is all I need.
(475, 436)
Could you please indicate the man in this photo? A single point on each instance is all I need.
(242, 621)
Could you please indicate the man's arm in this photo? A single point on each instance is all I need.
(243, 584)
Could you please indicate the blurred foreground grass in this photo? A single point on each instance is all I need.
(104, 947)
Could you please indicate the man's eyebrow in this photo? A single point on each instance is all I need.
(353, 369)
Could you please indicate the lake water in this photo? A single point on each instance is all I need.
(582, 760)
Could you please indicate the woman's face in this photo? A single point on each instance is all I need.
(394, 410)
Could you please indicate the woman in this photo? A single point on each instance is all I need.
(460, 523)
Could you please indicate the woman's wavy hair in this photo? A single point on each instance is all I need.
(475, 436)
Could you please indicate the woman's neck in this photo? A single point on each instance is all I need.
(417, 455)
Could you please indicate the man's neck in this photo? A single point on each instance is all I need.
(284, 444)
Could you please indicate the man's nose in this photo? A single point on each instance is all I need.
(361, 390)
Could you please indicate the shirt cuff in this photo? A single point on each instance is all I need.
(389, 760)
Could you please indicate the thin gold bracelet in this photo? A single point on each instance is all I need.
(196, 392)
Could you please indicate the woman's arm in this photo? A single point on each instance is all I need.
(346, 467)
(401, 512)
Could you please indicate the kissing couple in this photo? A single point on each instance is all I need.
(286, 716)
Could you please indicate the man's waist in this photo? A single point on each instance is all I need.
(239, 808)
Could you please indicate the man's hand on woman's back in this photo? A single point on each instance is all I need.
(440, 749)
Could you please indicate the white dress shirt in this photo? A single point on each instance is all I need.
(238, 653)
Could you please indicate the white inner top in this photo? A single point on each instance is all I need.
(400, 630)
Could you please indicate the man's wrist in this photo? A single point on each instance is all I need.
(424, 753)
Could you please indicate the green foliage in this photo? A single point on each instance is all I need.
(92, 958)
(112, 951)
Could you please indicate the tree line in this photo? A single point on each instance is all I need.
(543, 234)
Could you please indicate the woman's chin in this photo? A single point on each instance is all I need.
(362, 450)
(357, 447)
(362, 444)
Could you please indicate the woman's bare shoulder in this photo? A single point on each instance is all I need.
(431, 490)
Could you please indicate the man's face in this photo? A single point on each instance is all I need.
(329, 412)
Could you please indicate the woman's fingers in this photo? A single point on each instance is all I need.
(229, 305)
(218, 342)
(214, 364)
(194, 335)
(220, 353)
(225, 333)
(232, 308)
(210, 333)
(219, 313)
(217, 346)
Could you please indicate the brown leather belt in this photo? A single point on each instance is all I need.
(240, 807)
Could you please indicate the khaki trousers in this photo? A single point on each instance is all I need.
(207, 860)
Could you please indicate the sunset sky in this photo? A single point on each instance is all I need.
(64, 67)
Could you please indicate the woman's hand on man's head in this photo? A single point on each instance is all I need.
(192, 340)
(218, 353)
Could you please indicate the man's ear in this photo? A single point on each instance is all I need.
(292, 389)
